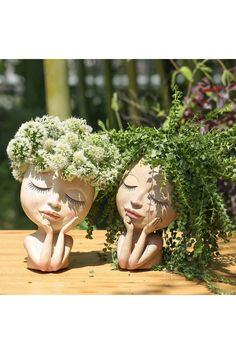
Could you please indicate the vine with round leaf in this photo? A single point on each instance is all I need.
(192, 160)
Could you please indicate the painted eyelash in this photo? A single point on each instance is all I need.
(38, 189)
(44, 190)
(76, 202)
(128, 187)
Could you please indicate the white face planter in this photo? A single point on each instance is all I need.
(144, 204)
(55, 206)
(60, 163)
(141, 197)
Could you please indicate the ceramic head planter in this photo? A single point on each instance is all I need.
(144, 204)
(61, 165)
(191, 163)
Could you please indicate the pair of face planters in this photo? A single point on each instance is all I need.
(63, 166)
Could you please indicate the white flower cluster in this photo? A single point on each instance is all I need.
(67, 146)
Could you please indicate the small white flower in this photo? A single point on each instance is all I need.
(19, 149)
(52, 125)
(48, 144)
(72, 139)
(33, 131)
(58, 161)
(41, 160)
(69, 173)
(76, 125)
(79, 158)
(65, 146)
(18, 170)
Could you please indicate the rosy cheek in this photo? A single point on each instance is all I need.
(69, 214)
(34, 203)
(32, 200)
(119, 200)
(81, 212)
(121, 203)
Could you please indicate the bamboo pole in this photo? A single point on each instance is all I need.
(82, 107)
(133, 91)
(57, 89)
(164, 91)
(108, 88)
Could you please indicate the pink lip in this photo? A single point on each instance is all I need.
(132, 214)
(51, 214)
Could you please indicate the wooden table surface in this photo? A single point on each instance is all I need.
(88, 274)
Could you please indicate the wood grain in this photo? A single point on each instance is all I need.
(89, 274)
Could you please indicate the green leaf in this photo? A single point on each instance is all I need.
(161, 114)
(227, 77)
(158, 111)
(228, 107)
(206, 68)
(114, 102)
(107, 124)
(166, 124)
(206, 71)
(209, 94)
(186, 72)
(223, 77)
(157, 107)
(83, 225)
(198, 248)
(173, 78)
(101, 125)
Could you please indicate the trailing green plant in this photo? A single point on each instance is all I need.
(192, 161)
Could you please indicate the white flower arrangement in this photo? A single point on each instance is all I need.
(67, 146)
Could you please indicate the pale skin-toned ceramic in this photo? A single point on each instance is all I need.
(55, 206)
(145, 206)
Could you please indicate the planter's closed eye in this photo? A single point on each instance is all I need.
(37, 188)
(46, 189)
(75, 202)
(127, 186)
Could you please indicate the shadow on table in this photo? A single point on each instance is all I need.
(86, 259)
(222, 264)
(80, 260)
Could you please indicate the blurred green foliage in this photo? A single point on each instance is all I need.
(16, 107)
(93, 84)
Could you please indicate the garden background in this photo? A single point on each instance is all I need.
(108, 94)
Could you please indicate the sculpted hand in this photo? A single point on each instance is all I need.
(128, 223)
(73, 222)
(46, 225)
(152, 226)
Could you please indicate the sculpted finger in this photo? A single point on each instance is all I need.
(46, 224)
(127, 219)
(70, 224)
(151, 223)
(158, 220)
